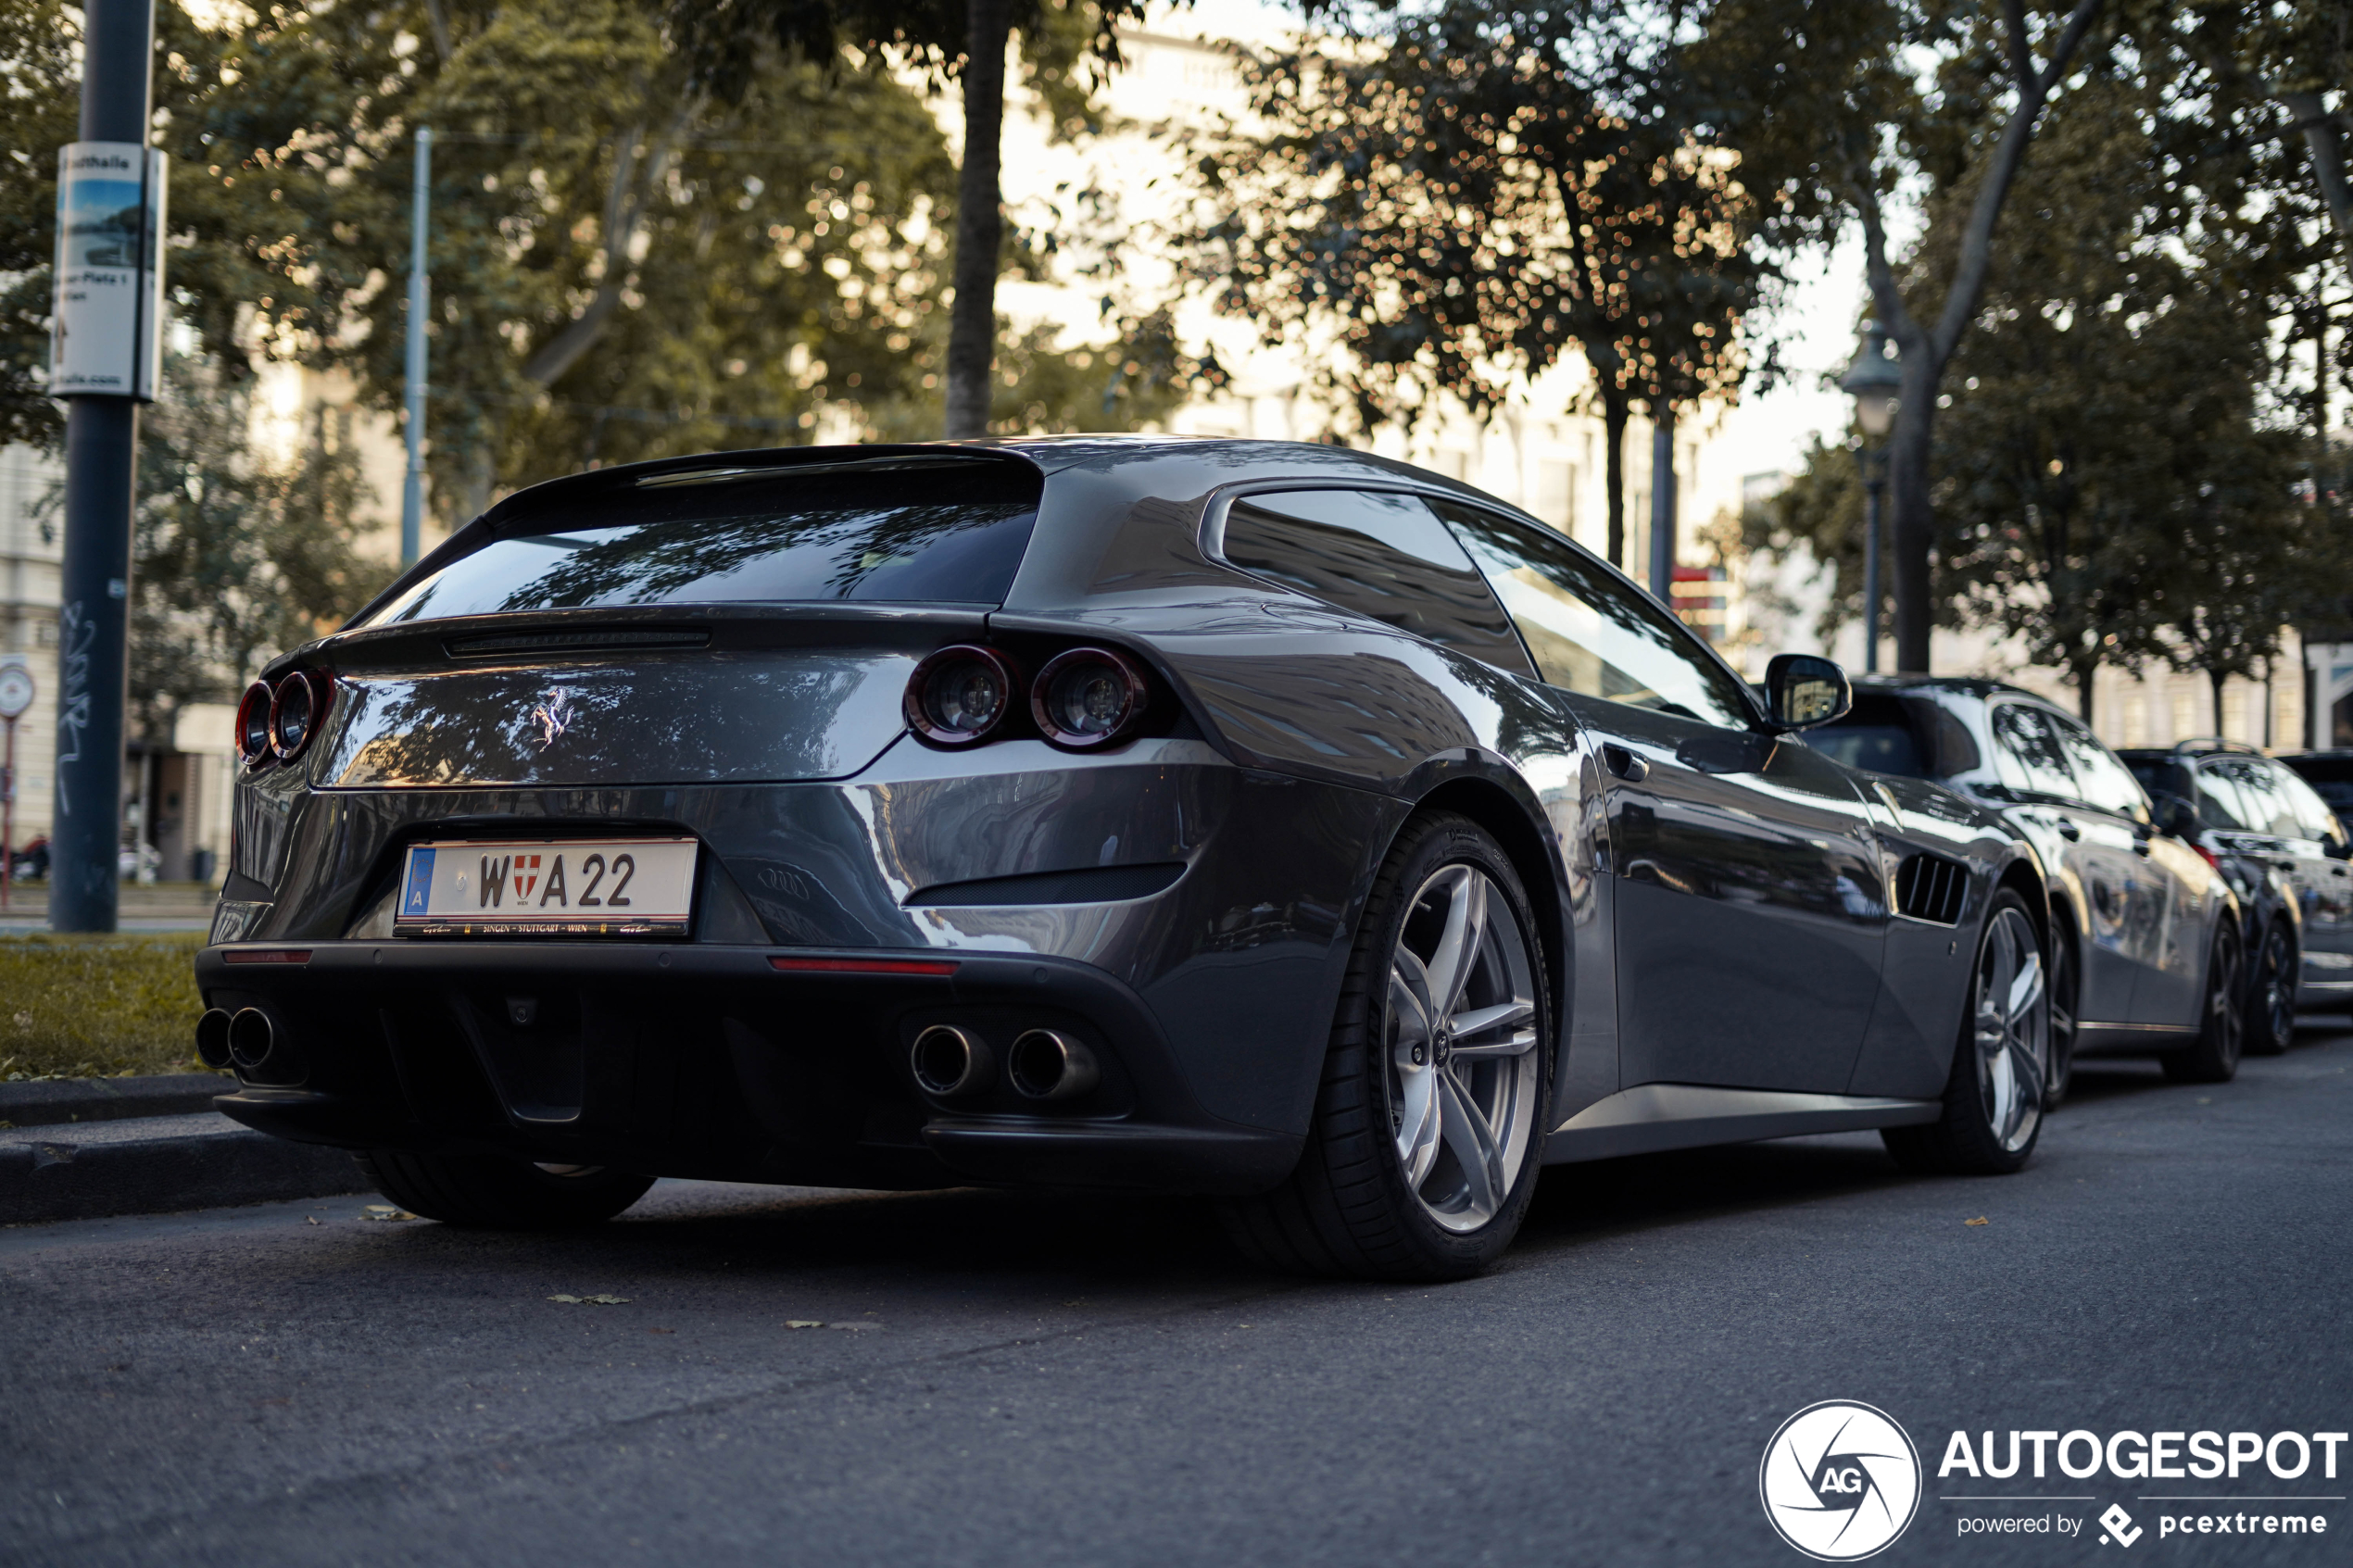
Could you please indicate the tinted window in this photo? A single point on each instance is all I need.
(934, 539)
(2029, 753)
(2313, 819)
(1382, 556)
(1876, 735)
(2268, 810)
(2100, 779)
(1594, 632)
(2219, 803)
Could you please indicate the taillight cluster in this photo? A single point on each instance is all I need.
(275, 722)
(1081, 699)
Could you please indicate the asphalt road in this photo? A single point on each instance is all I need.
(1027, 1381)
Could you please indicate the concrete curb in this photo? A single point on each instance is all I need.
(56, 1101)
(158, 1164)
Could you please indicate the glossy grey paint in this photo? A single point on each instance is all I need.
(1306, 737)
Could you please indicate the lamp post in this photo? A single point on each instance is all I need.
(1872, 380)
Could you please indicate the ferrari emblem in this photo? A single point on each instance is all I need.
(553, 715)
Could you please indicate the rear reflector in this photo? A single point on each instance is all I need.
(864, 966)
(267, 955)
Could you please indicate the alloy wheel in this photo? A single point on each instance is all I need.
(2011, 1010)
(2063, 1000)
(2224, 1023)
(2275, 987)
(1459, 1034)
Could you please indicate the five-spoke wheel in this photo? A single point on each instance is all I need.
(1460, 1030)
(1993, 1106)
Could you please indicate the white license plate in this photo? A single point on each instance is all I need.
(548, 887)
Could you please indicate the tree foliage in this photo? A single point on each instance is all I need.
(1457, 202)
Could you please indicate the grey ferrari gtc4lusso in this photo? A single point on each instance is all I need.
(1263, 820)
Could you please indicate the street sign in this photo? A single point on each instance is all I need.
(16, 691)
(108, 274)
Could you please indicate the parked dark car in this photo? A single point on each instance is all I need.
(2284, 853)
(2147, 952)
(2331, 775)
(1253, 819)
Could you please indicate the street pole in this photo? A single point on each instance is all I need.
(102, 448)
(1663, 504)
(1874, 482)
(412, 492)
(8, 812)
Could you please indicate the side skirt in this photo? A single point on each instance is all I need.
(1652, 1117)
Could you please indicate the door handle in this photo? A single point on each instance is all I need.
(1625, 764)
(2068, 830)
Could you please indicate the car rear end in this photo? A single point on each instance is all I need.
(693, 821)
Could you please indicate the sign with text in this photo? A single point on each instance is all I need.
(105, 338)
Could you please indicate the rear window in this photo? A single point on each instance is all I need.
(778, 539)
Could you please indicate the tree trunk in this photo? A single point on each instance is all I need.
(2328, 159)
(2216, 679)
(980, 222)
(2084, 675)
(1926, 349)
(1913, 537)
(1614, 414)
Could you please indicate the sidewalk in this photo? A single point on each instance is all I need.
(166, 905)
(157, 1165)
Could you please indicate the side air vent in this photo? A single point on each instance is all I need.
(1932, 888)
(562, 642)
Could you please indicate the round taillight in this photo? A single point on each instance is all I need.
(254, 724)
(959, 694)
(293, 717)
(1088, 697)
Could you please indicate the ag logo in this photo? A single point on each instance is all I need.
(1840, 1481)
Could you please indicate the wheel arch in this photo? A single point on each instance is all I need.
(1513, 825)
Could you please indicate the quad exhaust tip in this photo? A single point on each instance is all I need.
(1048, 1064)
(212, 1038)
(948, 1062)
(251, 1038)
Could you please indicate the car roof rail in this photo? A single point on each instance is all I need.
(2203, 745)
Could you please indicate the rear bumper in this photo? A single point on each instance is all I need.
(702, 1060)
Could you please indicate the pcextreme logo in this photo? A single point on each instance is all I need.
(1840, 1481)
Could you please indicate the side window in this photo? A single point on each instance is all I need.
(2313, 818)
(1378, 555)
(1593, 633)
(2100, 779)
(2220, 804)
(2266, 808)
(2028, 753)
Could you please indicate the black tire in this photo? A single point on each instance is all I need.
(2067, 992)
(2215, 1058)
(1994, 1094)
(496, 1191)
(2270, 994)
(1348, 1208)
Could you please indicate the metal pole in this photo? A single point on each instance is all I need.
(8, 815)
(1663, 505)
(102, 450)
(413, 490)
(1872, 484)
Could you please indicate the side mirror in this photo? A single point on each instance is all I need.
(1802, 691)
(2176, 817)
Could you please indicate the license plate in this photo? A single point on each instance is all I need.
(548, 887)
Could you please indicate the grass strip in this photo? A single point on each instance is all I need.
(99, 1005)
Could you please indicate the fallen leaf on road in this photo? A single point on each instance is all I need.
(591, 1300)
(1980, 1220)
(384, 1211)
(310, 1218)
(802, 1323)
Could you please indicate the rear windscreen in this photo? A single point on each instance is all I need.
(771, 540)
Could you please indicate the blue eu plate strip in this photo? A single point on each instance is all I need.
(418, 899)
